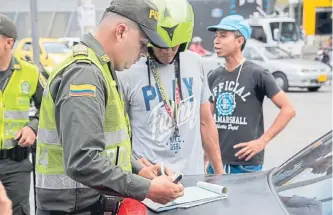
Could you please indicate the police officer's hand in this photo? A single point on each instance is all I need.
(25, 137)
(163, 190)
(153, 171)
(5, 203)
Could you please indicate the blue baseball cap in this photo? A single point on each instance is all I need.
(233, 23)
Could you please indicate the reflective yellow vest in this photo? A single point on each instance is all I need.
(15, 101)
(50, 172)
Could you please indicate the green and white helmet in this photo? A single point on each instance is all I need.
(175, 22)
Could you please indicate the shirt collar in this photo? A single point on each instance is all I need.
(90, 41)
(14, 64)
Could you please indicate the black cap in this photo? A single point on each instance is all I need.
(7, 27)
(143, 12)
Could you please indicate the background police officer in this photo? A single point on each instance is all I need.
(83, 137)
(19, 85)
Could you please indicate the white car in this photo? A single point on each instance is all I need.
(287, 70)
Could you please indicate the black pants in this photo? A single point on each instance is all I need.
(15, 177)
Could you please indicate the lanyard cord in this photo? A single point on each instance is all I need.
(177, 89)
(177, 71)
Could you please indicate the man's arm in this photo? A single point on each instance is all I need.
(210, 140)
(212, 109)
(270, 88)
(37, 99)
(287, 112)
(80, 123)
(209, 134)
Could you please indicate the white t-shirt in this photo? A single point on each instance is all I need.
(152, 127)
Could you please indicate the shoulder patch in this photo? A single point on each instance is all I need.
(42, 80)
(82, 90)
(105, 58)
(80, 49)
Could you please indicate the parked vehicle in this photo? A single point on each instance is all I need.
(277, 30)
(300, 186)
(288, 70)
(52, 51)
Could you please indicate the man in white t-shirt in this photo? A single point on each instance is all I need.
(167, 97)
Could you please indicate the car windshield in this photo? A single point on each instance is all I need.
(289, 32)
(304, 183)
(275, 53)
(55, 47)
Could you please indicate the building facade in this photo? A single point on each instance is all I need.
(317, 18)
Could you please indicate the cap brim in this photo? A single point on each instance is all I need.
(221, 27)
(154, 38)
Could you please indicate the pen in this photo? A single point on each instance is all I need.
(117, 155)
(162, 169)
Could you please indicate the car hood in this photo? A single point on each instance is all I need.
(298, 63)
(248, 194)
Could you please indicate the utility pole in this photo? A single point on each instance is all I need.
(34, 31)
(36, 60)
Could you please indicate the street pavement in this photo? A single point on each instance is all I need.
(313, 119)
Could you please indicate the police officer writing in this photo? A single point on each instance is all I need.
(19, 85)
(83, 144)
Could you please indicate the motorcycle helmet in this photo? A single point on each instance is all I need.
(175, 22)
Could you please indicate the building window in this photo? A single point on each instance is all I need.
(289, 32)
(258, 33)
(324, 21)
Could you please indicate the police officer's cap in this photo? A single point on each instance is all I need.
(143, 12)
(7, 27)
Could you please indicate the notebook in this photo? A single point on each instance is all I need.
(200, 194)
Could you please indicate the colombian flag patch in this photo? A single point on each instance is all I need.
(82, 90)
